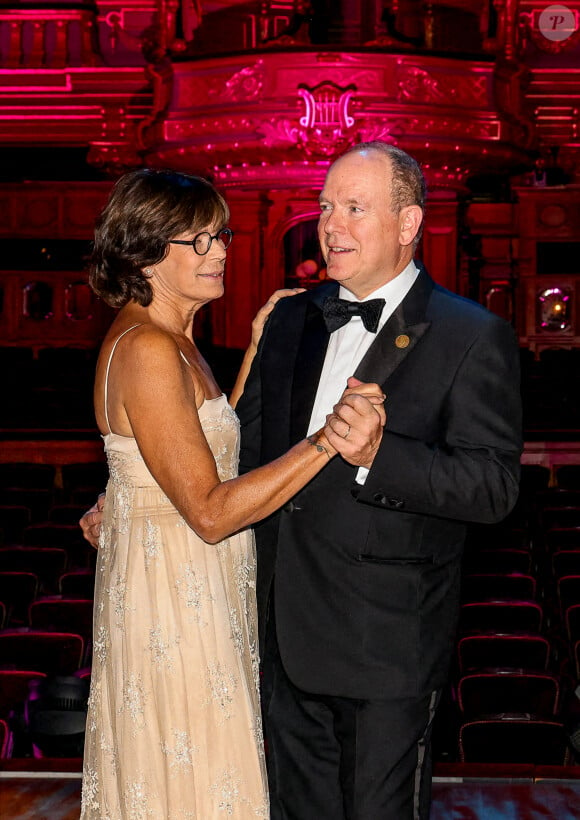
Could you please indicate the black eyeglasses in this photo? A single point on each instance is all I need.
(201, 243)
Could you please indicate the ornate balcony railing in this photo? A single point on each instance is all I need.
(48, 36)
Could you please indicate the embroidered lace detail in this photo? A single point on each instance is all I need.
(191, 589)
(90, 793)
(180, 755)
(222, 686)
(101, 643)
(137, 801)
(121, 487)
(133, 703)
(118, 595)
(151, 541)
(227, 789)
(162, 649)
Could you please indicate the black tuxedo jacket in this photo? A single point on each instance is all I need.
(367, 577)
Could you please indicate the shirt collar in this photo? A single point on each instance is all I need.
(392, 292)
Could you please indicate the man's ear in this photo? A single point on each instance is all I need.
(410, 220)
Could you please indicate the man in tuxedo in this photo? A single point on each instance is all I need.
(358, 576)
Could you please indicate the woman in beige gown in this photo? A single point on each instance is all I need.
(173, 729)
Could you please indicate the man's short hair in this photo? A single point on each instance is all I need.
(408, 183)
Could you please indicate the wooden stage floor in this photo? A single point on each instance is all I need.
(56, 796)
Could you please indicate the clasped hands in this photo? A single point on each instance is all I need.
(355, 427)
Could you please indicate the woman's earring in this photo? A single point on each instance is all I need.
(148, 271)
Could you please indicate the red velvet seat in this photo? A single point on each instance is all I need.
(498, 561)
(79, 583)
(48, 563)
(533, 478)
(495, 691)
(572, 623)
(566, 562)
(13, 520)
(501, 616)
(35, 499)
(557, 497)
(568, 476)
(562, 538)
(493, 586)
(514, 738)
(551, 517)
(5, 740)
(18, 590)
(68, 537)
(568, 590)
(521, 651)
(54, 653)
(66, 513)
(82, 483)
(29, 485)
(14, 689)
(27, 475)
(50, 534)
(60, 614)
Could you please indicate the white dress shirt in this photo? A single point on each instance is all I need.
(348, 345)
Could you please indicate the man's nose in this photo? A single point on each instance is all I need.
(333, 223)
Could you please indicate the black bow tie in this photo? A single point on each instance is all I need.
(338, 312)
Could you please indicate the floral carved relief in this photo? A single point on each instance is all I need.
(419, 85)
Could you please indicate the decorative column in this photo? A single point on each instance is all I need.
(440, 239)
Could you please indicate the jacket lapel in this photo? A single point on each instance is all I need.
(309, 362)
(403, 330)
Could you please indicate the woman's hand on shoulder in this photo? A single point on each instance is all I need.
(262, 315)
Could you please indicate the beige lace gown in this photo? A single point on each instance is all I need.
(173, 728)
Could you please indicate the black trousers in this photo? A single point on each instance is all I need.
(332, 758)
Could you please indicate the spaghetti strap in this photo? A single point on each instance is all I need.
(117, 340)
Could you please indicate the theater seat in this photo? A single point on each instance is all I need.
(15, 688)
(568, 591)
(494, 691)
(17, 591)
(501, 616)
(47, 563)
(13, 520)
(498, 561)
(78, 583)
(568, 476)
(60, 614)
(566, 562)
(496, 586)
(54, 653)
(494, 649)
(513, 738)
(5, 740)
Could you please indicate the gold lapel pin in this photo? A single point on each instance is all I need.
(402, 341)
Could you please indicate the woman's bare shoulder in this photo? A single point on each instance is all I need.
(147, 344)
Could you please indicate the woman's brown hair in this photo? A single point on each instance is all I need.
(145, 210)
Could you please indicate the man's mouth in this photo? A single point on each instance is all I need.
(339, 249)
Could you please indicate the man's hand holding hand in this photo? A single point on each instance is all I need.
(90, 523)
(355, 428)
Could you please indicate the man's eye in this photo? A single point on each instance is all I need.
(324, 208)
